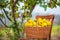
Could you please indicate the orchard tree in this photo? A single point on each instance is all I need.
(28, 7)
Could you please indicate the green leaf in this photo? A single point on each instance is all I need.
(21, 0)
(22, 8)
(58, 3)
(40, 1)
(52, 4)
(9, 7)
(45, 7)
(18, 4)
(2, 15)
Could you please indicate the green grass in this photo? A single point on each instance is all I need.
(56, 30)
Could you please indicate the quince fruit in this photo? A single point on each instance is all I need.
(44, 24)
(28, 24)
(30, 21)
(34, 23)
(39, 19)
(48, 23)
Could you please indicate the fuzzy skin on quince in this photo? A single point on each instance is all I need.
(31, 23)
(48, 23)
(43, 22)
(40, 23)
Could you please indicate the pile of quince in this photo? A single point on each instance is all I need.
(39, 23)
(30, 23)
(43, 22)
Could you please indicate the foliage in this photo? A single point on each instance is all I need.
(1, 34)
(1, 15)
(6, 33)
(3, 3)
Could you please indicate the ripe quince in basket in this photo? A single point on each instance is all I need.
(34, 24)
(43, 22)
(30, 23)
(39, 19)
(48, 23)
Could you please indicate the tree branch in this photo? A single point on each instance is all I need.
(32, 8)
(3, 23)
(14, 4)
(6, 15)
(13, 11)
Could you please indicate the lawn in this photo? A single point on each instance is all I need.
(56, 30)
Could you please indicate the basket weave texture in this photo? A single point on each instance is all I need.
(40, 32)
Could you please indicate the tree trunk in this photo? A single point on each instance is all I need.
(16, 33)
(15, 29)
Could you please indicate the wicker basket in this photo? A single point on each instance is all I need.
(40, 32)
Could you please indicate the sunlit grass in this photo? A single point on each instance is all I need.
(56, 30)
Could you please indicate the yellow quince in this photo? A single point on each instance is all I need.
(48, 23)
(39, 19)
(44, 20)
(34, 23)
(30, 21)
(44, 24)
(28, 24)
